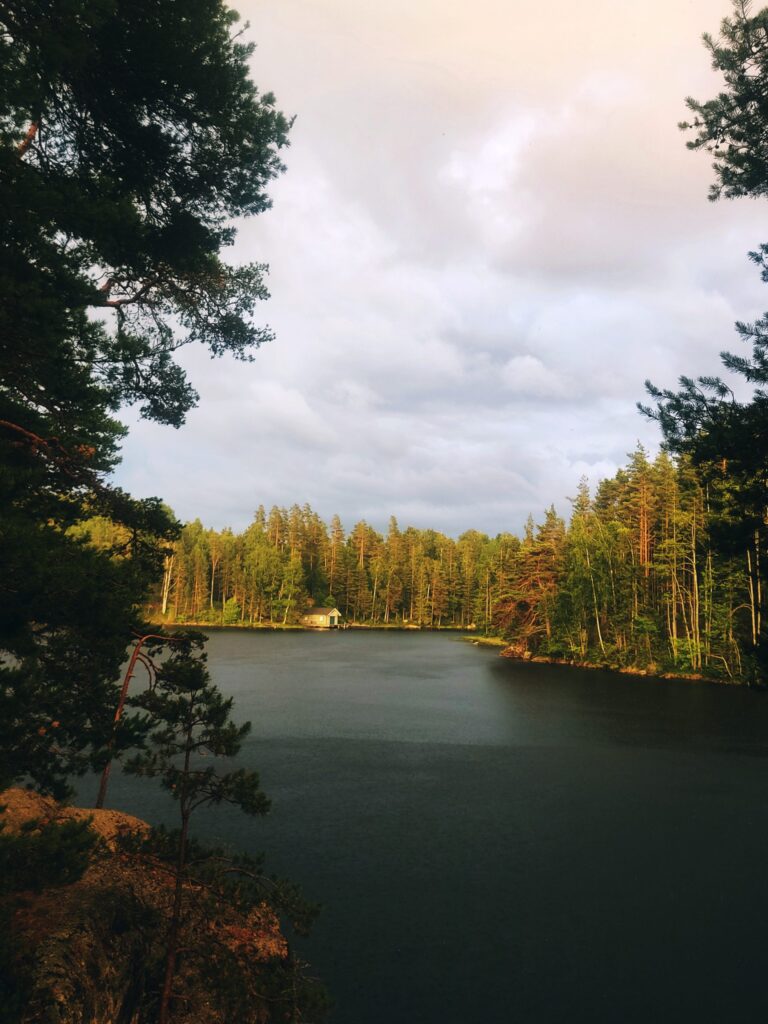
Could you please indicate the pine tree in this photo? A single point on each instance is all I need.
(191, 721)
(726, 440)
(119, 180)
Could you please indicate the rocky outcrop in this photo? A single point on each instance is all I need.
(92, 952)
(84, 953)
(22, 807)
(81, 951)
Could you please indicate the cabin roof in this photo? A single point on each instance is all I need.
(322, 611)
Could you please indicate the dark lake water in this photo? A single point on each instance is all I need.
(503, 842)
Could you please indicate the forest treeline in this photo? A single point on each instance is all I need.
(635, 577)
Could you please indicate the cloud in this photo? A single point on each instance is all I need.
(527, 376)
(489, 235)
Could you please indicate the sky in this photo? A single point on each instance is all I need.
(489, 235)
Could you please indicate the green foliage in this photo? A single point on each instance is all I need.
(726, 439)
(130, 138)
(733, 126)
(633, 581)
(641, 576)
(288, 560)
(190, 721)
(67, 616)
(119, 178)
(43, 855)
(231, 612)
(124, 195)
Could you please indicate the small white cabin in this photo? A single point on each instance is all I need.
(322, 618)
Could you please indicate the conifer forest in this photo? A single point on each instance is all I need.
(637, 577)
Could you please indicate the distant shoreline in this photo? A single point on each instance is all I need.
(277, 627)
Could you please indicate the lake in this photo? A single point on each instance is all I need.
(495, 841)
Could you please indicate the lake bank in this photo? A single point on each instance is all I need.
(649, 672)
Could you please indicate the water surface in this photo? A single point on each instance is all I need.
(503, 842)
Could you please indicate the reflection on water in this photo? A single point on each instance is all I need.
(499, 842)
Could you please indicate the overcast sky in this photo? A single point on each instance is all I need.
(489, 235)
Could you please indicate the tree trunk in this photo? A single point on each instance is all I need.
(173, 935)
(167, 574)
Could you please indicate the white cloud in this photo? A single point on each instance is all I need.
(490, 233)
(493, 164)
(529, 377)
